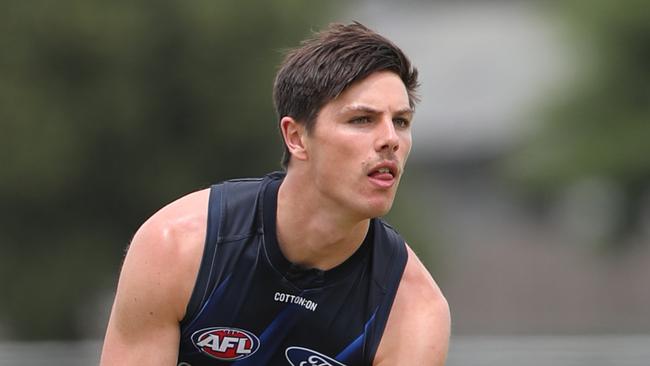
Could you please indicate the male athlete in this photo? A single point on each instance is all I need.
(294, 268)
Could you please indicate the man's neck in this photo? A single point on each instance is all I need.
(313, 232)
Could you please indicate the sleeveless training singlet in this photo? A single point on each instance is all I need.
(251, 306)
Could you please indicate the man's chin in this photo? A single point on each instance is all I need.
(379, 209)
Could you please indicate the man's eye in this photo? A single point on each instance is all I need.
(360, 120)
(402, 122)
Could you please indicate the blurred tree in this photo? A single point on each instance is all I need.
(108, 109)
(600, 127)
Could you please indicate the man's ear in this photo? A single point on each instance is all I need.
(294, 135)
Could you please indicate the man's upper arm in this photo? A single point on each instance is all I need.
(418, 327)
(155, 285)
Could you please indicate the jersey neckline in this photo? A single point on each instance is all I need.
(298, 275)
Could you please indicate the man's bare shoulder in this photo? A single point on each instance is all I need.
(177, 227)
(155, 284)
(418, 328)
(167, 249)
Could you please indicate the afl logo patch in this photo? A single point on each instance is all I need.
(226, 344)
(300, 356)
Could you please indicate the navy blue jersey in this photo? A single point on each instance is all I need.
(251, 306)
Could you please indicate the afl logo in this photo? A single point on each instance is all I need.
(227, 344)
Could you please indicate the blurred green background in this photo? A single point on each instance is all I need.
(528, 190)
(110, 109)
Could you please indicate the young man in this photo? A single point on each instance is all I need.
(294, 268)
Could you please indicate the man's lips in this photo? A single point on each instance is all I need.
(384, 180)
(385, 168)
(384, 174)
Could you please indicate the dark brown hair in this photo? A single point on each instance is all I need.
(322, 67)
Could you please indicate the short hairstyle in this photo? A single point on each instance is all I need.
(322, 67)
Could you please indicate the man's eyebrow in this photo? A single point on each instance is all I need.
(407, 110)
(371, 110)
(358, 108)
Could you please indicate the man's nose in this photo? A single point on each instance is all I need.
(387, 138)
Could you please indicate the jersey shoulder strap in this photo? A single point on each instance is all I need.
(232, 215)
(388, 263)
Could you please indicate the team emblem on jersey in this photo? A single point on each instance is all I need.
(227, 344)
(299, 356)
